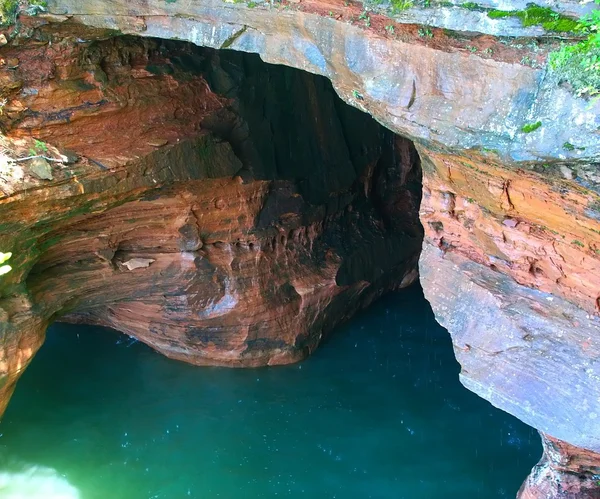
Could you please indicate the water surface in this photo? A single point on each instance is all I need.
(377, 412)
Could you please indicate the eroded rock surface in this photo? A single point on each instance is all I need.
(469, 93)
(564, 472)
(526, 351)
(208, 214)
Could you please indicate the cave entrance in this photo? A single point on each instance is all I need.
(274, 209)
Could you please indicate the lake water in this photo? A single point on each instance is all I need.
(377, 412)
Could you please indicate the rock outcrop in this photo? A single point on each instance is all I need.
(564, 472)
(238, 216)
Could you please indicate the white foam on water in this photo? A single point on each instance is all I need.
(36, 482)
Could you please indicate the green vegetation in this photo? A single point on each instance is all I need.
(568, 146)
(364, 16)
(527, 61)
(4, 257)
(9, 9)
(400, 5)
(578, 243)
(472, 6)
(579, 63)
(534, 15)
(531, 127)
(39, 147)
(425, 32)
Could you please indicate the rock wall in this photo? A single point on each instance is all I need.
(564, 472)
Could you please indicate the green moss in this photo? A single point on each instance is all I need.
(547, 18)
(400, 5)
(471, 6)
(8, 11)
(568, 146)
(579, 63)
(578, 243)
(498, 14)
(531, 127)
(534, 15)
(492, 151)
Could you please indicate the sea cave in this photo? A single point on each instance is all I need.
(299, 249)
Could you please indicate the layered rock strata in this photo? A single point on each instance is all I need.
(564, 472)
(202, 210)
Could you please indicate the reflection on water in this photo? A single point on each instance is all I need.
(377, 412)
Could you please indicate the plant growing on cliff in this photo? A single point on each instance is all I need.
(579, 64)
(534, 15)
(9, 9)
(425, 32)
(531, 127)
(400, 5)
(4, 257)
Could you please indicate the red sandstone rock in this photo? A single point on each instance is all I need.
(233, 242)
(564, 472)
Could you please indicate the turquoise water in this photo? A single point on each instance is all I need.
(376, 412)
